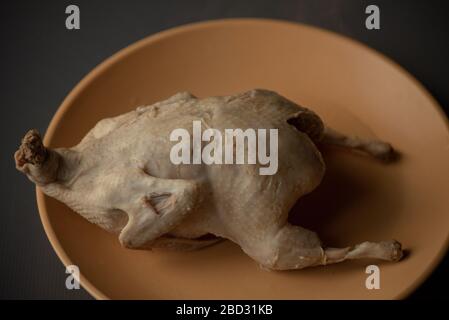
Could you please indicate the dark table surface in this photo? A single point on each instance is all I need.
(41, 61)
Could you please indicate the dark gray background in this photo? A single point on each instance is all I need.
(41, 61)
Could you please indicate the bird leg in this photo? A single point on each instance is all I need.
(376, 148)
(293, 247)
(384, 250)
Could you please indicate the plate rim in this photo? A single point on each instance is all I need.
(152, 38)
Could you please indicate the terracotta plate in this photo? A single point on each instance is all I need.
(353, 88)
